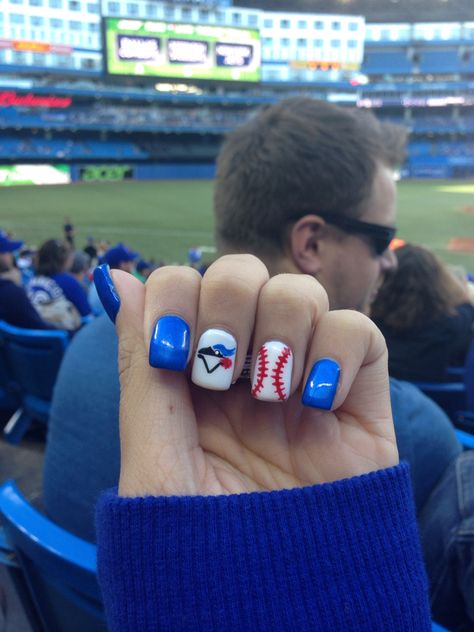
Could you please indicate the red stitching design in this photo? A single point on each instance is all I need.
(277, 373)
(262, 370)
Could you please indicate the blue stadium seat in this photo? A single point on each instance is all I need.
(455, 398)
(465, 417)
(54, 572)
(466, 439)
(9, 396)
(32, 360)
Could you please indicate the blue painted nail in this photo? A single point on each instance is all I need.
(106, 291)
(321, 385)
(169, 346)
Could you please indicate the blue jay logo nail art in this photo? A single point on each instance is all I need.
(216, 356)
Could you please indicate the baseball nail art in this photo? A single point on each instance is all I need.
(272, 374)
(214, 361)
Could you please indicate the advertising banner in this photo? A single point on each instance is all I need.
(105, 173)
(11, 175)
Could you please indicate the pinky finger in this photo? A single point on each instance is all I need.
(348, 357)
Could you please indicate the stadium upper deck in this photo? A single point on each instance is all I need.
(419, 74)
(65, 37)
(376, 10)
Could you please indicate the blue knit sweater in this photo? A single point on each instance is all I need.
(342, 556)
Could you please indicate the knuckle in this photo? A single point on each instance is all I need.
(228, 289)
(244, 265)
(172, 274)
(365, 328)
(301, 287)
(296, 292)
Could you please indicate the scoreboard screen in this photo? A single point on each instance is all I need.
(181, 51)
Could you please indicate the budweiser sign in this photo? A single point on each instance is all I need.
(11, 98)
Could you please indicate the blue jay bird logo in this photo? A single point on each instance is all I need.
(216, 356)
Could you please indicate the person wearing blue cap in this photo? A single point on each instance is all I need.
(119, 257)
(143, 269)
(15, 307)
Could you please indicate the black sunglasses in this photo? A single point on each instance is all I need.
(379, 236)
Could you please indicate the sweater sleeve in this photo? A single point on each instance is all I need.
(334, 557)
(74, 292)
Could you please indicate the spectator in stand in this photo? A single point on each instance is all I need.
(24, 262)
(69, 232)
(15, 306)
(54, 292)
(425, 315)
(143, 269)
(91, 250)
(118, 257)
(465, 279)
(80, 267)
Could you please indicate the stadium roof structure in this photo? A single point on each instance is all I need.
(375, 10)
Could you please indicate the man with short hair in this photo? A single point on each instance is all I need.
(15, 306)
(307, 187)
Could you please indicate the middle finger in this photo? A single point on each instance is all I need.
(227, 307)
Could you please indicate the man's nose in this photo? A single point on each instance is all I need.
(389, 261)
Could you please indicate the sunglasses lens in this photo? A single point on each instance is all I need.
(381, 244)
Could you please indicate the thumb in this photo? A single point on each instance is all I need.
(157, 423)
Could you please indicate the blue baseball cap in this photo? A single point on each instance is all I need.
(117, 254)
(143, 265)
(8, 245)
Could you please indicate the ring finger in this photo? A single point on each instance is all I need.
(288, 309)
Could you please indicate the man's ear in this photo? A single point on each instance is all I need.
(305, 241)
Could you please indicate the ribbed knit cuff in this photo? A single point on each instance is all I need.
(338, 556)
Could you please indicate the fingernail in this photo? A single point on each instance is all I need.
(214, 361)
(321, 385)
(169, 346)
(272, 373)
(106, 290)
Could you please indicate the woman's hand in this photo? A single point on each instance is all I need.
(181, 439)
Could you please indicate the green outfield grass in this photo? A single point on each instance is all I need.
(164, 219)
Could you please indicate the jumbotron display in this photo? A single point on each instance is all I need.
(181, 51)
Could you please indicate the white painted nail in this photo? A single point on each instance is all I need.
(272, 374)
(214, 362)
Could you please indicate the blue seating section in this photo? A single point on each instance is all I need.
(386, 63)
(67, 149)
(439, 61)
(434, 148)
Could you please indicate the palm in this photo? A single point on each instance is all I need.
(246, 445)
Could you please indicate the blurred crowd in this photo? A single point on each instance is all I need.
(50, 286)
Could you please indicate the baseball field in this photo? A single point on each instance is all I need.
(164, 219)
